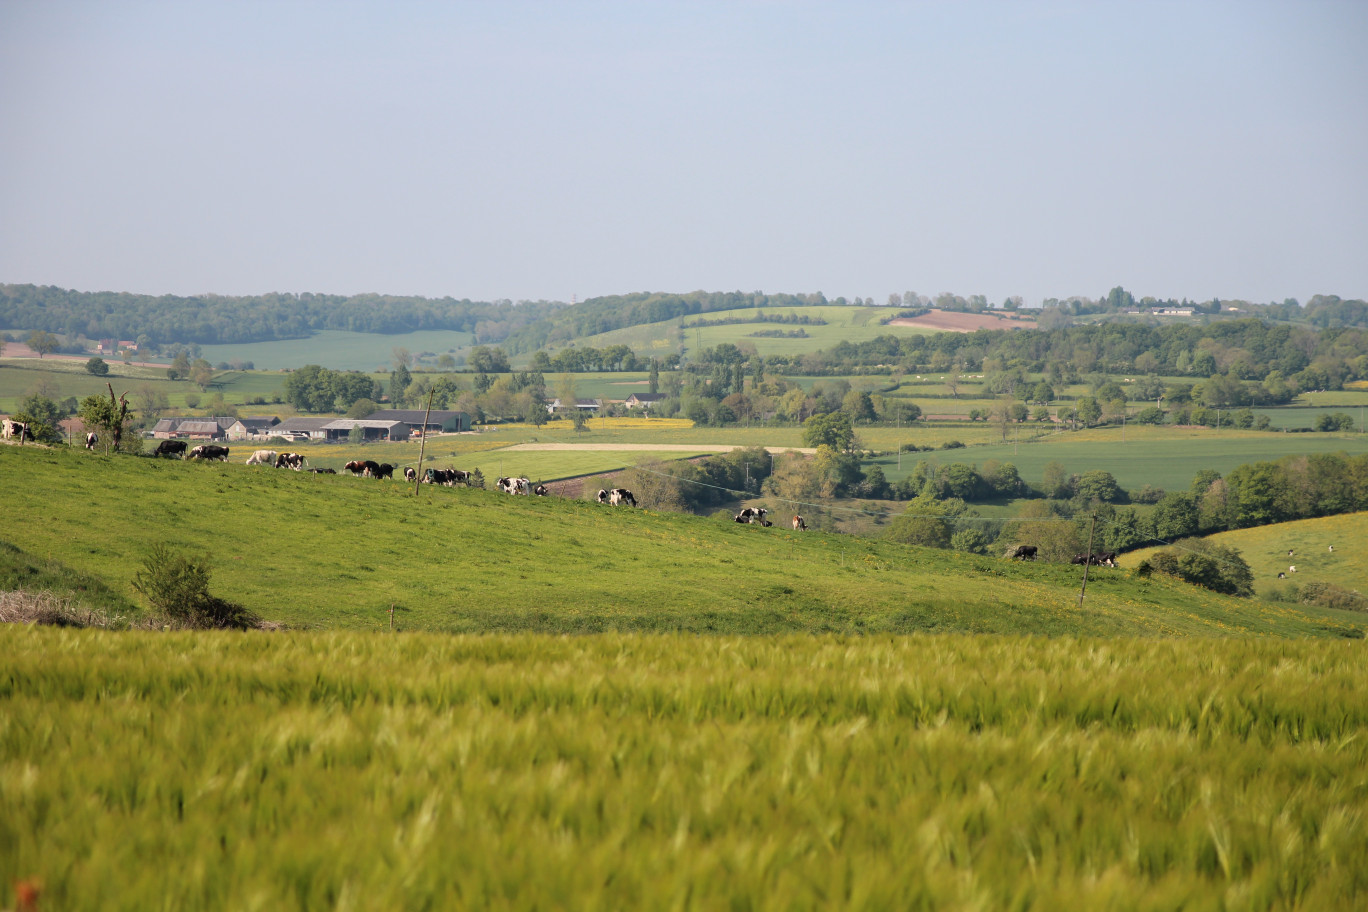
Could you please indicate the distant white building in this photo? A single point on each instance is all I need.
(583, 405)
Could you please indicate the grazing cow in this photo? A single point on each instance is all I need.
(356, 467)
(515, 485)
(290, 461)
(1102, 559)
(1332, 549)
(209, 451)
(602, 496)
(383, 470)
(541, 490)
(753, 515)
(262, 457)
(799, 524)
(170, 448)
(323, 471)
(92, 438)
(1289, 552)
(619, 496)
(1282, 575)
(410, 473)
(1023, 552)
(1292, 569)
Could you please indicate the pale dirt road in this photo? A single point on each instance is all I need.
(646, 448)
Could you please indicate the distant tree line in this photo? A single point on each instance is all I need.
(758, 317)
(218, 319)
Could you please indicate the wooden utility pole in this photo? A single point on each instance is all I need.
(422, 448)
(1087, 560)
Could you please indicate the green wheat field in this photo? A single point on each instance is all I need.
(418, 771)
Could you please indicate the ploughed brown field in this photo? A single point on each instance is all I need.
(951, 321)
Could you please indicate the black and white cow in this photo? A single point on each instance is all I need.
(515, 485)
(12, 429)
(754, 515)
(170, 448)
(91, 439)
(601, 496)
(290, 461)
(541, 490)
(619, 496)
(262, 457)
(209, 451)
(410, 473)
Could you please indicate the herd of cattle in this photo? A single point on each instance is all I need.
(451, 477)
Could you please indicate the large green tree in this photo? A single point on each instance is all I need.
(832, 429)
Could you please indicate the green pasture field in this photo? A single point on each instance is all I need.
(20, 376)
(338, 552)
(1305, 417)
(468, 452)
(364, 771)
(1265, 550)
(853, 324)
(1165, 457)
(339, 350)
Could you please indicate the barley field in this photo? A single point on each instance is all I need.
(371, 771)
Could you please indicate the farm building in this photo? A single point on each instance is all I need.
(644, 400)
(437, 420)
(253, 428)
(302, 428)
(193, 427)
(340, 429)
(584, 405)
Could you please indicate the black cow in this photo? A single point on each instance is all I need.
(208, 451)
(1023, 552)
(448, 477)
(170, 448)
(323, 471)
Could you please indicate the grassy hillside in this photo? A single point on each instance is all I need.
(1265, 550)
(853, 324)
(340, 551)
(359, 771)
(340, 350)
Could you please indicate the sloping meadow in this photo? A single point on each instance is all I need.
(342, 552)
(352, 770)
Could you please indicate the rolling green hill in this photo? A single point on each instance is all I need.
(334, 551)
(844, 324)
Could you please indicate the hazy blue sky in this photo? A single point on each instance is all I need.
(551, 149)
